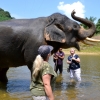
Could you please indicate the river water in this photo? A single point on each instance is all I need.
(18, 84)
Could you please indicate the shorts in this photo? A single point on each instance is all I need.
(40, 98)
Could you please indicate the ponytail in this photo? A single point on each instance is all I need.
(37, 65)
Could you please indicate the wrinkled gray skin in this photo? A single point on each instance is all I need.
(20, 38)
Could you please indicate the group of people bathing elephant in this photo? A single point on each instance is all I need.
(44, 75)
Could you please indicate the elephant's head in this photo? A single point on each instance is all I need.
(65, 32)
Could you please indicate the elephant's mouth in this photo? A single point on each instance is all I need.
(73, 44)
(87, 41)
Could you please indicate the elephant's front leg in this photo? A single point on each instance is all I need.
(3, 76)
(30, 68)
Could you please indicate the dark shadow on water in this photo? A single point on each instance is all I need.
(3, 86)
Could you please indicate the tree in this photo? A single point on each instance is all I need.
(92, 19)
(98, 27)
(4, 15)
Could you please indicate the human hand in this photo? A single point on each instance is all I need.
(73, 58)
(57, 55)
(69, 62)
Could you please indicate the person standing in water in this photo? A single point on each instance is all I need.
(43, 75)
(59, 57)
(74, 65)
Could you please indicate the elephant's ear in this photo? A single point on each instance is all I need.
(54, 32)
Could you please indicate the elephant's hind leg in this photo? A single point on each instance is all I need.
(3, 76)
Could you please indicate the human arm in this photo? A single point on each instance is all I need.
(68, 62)
(76, 59)
(55, 56)
(62, 56)
(46, 81)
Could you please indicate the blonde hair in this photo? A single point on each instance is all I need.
(37, 65)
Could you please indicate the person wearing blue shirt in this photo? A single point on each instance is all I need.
(74, 65)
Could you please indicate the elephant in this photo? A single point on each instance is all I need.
(21, 38)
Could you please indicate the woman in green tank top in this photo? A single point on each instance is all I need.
(43, 75)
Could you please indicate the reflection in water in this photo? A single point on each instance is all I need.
(66, 91)
(3, 86)
(18, 84)
(72, 93)
(17, 87)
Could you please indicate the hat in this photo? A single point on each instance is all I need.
(44, 50)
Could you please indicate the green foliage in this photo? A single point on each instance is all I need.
(4, 15)
(98, 27)
(92, 19)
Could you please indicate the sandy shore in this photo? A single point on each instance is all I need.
(84, 53)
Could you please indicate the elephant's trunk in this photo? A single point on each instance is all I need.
(83, 33)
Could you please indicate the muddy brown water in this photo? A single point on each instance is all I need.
(17, 87)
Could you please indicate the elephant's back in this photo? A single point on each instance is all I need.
(21, 22)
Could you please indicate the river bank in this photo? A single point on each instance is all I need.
(67, 51)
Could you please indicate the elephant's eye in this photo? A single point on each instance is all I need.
(75, 26)
(59, 26)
